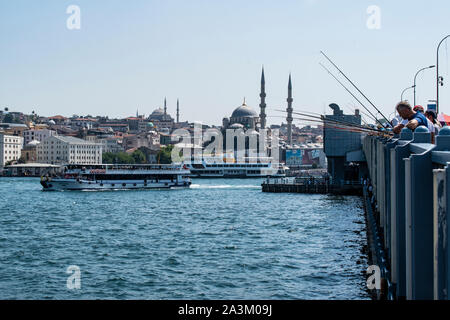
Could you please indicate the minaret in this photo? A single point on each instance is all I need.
(262, 105)
(165, 106)
(178, 111)
(289, 112)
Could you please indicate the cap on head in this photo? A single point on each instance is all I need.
(418, 109)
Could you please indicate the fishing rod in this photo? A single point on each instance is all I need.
(359, 101)
(342, 123)
(322, 118)
(362, 113)
(355, 86)
(352, 109)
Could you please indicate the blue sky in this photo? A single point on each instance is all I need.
(129, 55)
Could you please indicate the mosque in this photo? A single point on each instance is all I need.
(243, 117)
(161, 119)
(246, 118)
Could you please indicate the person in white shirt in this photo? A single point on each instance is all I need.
(431, 116)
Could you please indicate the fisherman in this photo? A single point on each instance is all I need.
(431, 115)
(411, 118)
(419, 108)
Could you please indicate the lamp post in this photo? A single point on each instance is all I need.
(401, 98)
(438, 82)
(415, 77)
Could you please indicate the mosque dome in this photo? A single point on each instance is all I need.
(158, 111)
(159, 115)
(244, 111)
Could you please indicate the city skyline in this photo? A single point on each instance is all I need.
(209, 56)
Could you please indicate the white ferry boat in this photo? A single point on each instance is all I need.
(214, 167)
(114, 176)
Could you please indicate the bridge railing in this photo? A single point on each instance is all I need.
(410, 178)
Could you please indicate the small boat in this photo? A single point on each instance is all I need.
(117, 177)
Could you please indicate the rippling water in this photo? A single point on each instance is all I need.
(221, 239)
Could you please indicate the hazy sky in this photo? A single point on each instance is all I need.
(129, 55)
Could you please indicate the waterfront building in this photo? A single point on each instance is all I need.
(114, 126)
(58, 120)
(165, 139)
(83, 123)
(29, 151)
(69, 150)
(112, 144)
(146, 139)
(13, 129)
(37, 134)
(10, 148)
(138, 124)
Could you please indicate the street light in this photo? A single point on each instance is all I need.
(401, 98)
(415, 77)
(438, 80)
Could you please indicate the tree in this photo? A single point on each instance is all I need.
(165, 155)
(8, 118)
(124, 158)
(117, 158)
(139, 157)
(108, 157)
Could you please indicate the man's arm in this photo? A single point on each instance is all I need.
(398, 128)
(412, 124)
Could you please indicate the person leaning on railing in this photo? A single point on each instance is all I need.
(412, 119)
(431, 116)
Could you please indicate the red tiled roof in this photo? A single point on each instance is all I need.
(58, 118)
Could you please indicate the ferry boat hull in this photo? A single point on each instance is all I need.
(118, 177)
(83, 185)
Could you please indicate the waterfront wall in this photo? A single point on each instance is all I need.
(411, 184)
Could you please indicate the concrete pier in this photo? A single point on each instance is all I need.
(317, 186)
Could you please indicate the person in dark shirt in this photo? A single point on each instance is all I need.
(415, 119)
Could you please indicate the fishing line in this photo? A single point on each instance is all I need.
(354, 86)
